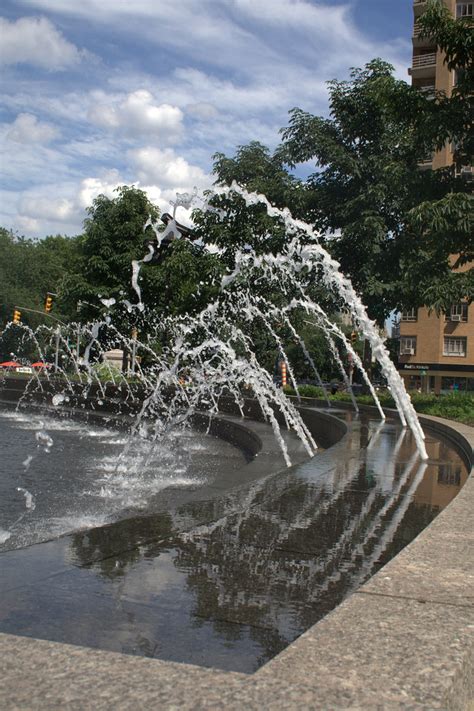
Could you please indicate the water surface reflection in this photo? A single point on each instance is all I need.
(229, 582)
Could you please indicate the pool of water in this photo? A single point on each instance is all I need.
(230, 581)
(58, 475)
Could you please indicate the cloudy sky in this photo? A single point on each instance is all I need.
(98, 93)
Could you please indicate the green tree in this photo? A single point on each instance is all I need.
(113, 237)
(257, 170)
(366, 195)
(28, 270)
(447, 223)
(455, 38)
(367, 188)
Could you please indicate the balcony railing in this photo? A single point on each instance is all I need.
(417, 31)
(424, 60)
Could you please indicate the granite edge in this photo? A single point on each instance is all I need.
(210, 688)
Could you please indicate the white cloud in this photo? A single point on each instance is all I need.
(54, 209)
(50, 203)
(61, 207)
(167, 169)
(36, 41)
(92, 187)
(28, 224)
(104, 115)
(45, 98)
(27, 129)
(138, 113)
(202, 110)
(27, 164)
(200, 77)
(243, 36)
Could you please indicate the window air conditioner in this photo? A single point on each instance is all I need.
(455, 317)
(408, 351)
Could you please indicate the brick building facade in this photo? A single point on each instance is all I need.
(437, 353)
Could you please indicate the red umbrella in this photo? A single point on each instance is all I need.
(40, 364)
(9, 364)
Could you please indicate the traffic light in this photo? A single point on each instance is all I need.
(48, 304)
(354, 337)
(16, 316)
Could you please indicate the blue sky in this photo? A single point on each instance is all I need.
(99, 93)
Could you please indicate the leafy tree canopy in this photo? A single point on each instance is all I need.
(113, 238)
(31, 268)
(393, 227)
(368, 188)
(257, 170)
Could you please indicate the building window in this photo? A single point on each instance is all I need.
(408, 345)
(413, 382)
(410, 315)
(458, 312)
(457, 384)
(449, 474)
(464, 9)
(455, 347)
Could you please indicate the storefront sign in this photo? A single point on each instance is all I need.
(438, 367)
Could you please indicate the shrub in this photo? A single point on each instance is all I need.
(305, 391)
(454, 406)
(457, 406)
(107, 372)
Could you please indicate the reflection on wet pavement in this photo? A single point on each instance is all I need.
(229, 582)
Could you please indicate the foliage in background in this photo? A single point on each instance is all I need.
(448, 218)
(454, 113)
(457, 406)
(256, 169)
(393, 227)
(113, 237)
(31, 268)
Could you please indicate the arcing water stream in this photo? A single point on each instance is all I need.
(284, 272)
(212, 354)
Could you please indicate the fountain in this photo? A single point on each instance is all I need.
(318, 529)
(210, 355)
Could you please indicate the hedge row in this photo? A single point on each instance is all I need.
(457, 406)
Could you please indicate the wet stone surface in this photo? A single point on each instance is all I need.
(229, 582)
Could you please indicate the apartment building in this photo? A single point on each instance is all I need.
(436, 353)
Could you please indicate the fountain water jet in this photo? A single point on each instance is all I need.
(210, 354)
(311, 256)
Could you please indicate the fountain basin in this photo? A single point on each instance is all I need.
(255, 536)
